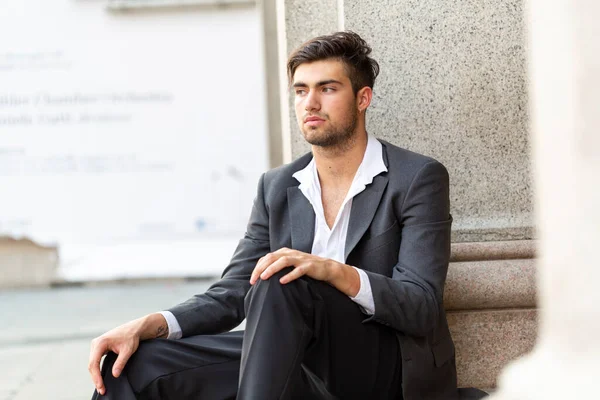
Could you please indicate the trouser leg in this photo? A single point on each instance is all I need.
(197, 367)
(308, 325)
(115, 388)
(304, 340)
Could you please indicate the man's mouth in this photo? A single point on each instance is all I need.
(313, 121)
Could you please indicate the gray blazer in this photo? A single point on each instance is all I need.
(399, 233)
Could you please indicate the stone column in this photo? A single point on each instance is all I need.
(453, 85)
(565, 93)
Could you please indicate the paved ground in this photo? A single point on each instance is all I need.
(44, 342)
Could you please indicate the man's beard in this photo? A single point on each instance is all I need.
(336, 136)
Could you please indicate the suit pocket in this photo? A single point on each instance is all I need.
(443, 351)
(386, 237)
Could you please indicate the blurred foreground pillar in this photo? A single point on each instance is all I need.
(565, 101)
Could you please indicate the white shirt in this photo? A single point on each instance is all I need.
(330, 243)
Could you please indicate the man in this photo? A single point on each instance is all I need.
(339, 276)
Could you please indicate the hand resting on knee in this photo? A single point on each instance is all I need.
(124, 341)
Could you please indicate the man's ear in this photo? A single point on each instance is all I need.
(363, 98)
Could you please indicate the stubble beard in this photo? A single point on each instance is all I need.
(337, 137)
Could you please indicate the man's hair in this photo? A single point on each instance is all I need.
(347, 47)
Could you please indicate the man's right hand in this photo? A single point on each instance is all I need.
(124, 341)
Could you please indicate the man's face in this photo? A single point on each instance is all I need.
(326, 107)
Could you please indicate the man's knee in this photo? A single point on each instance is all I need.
(148, 353)
(150, 361)
(108, 363)
(271, 290)
(266, 284)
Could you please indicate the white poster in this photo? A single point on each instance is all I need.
(132, 141)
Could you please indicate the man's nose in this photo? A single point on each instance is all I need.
(312, 102)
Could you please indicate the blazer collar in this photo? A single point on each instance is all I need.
(364, 206)
(302, 220)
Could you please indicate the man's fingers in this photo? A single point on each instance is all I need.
(265, 263)
(281, 263)
(94, 368)
(261, 265)
(295, 274)
(119, 364)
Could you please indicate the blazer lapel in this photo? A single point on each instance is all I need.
(363, 210)
(302, 220)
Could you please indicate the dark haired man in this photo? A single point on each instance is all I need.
(339, 276)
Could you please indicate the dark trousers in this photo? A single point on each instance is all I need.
(303, 340)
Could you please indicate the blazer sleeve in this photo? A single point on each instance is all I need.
(221, 307)
(410, 300)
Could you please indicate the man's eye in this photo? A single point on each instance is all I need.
(300, 92)
(328, 89)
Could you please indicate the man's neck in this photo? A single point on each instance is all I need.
(337, 166)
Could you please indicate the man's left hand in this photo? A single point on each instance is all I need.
(342, 276)
(318, 268)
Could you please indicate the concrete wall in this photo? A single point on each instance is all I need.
(453, 86)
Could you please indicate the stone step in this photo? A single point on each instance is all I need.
(487, 340)
(490, 285)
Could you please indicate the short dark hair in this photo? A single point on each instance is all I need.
(348, 47)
